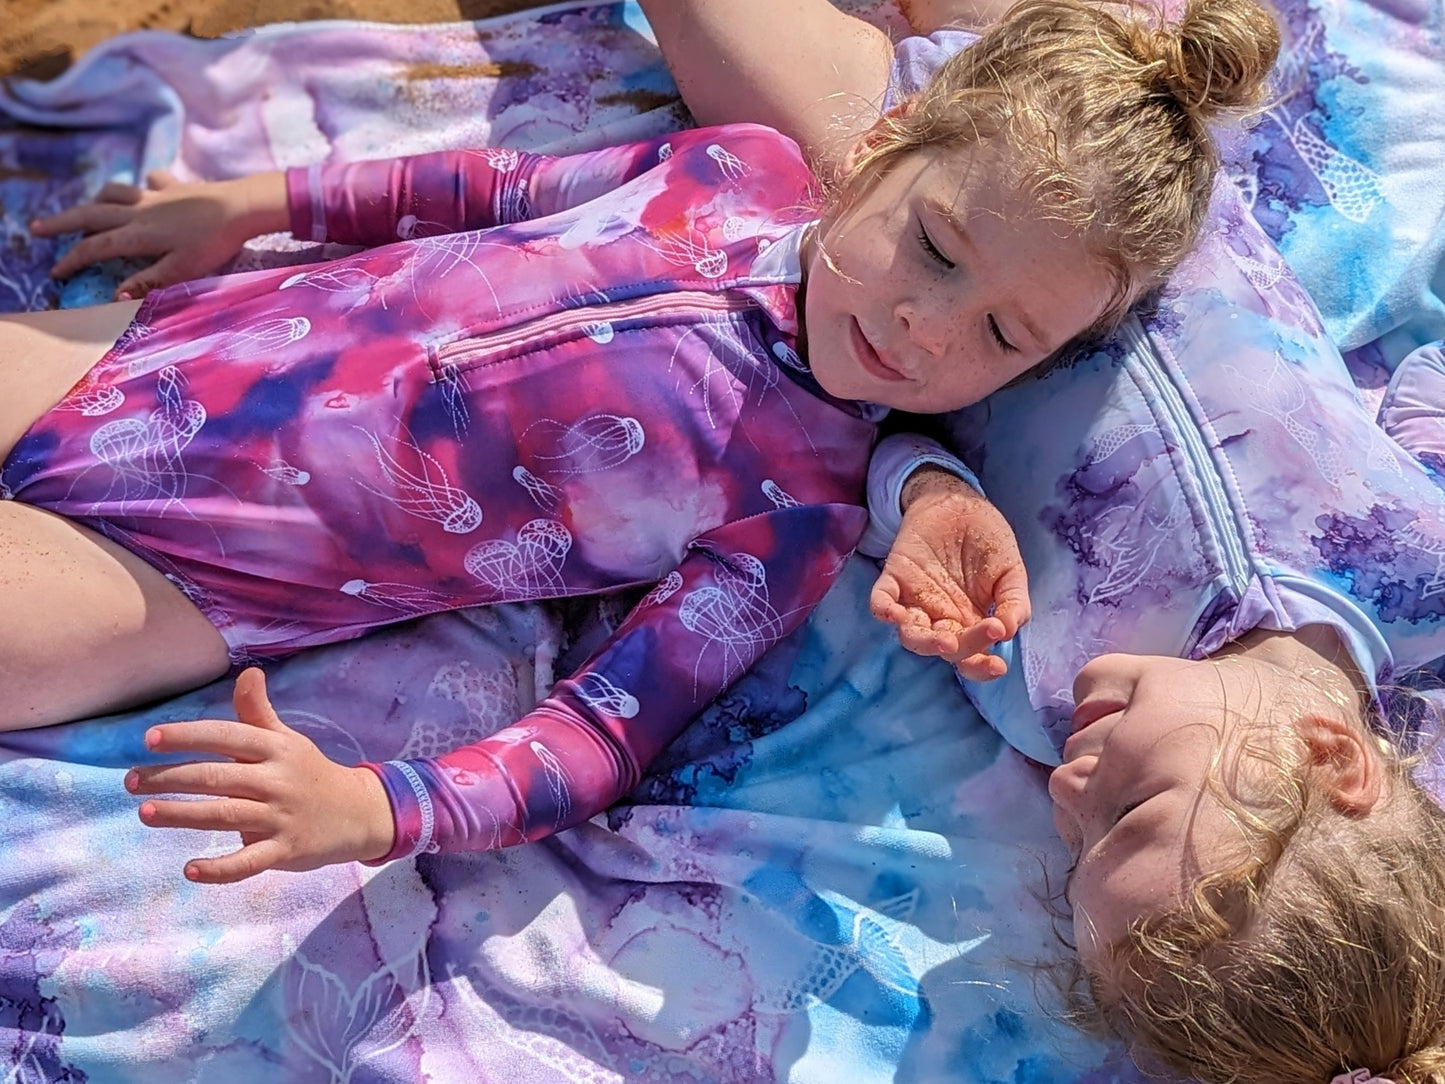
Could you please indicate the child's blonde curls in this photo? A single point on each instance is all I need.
(1321, 953)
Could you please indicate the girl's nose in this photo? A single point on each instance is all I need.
(928, 330)
(1067, 785)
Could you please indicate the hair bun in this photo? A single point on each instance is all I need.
(1218, 58)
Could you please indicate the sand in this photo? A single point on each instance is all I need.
(41, 38)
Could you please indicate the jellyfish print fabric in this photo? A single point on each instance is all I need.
(562, 376)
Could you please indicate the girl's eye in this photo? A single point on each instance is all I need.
(1003, 344)
(1126, 811)
(932, 250)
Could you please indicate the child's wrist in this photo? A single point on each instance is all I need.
(262, 203)
(376, 826)
(930, 483)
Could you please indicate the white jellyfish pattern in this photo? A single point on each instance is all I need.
(557, 781)
(734, 613)
(668, 586)
(780, 497)
(147, 455)
(402, 597)
(689, 251)
(418, 485)
(286, 474)
(597, 691)
(94, 400)
(732, 167)
(597, 442)
(543, 494)
(529, 568)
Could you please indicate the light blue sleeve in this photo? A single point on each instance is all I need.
(916, 59)
(893, 463)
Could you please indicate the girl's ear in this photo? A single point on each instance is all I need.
(879, 128)
(1344, 759)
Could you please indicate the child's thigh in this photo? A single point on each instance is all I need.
(86, 627)
(44, 354)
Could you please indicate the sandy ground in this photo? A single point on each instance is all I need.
(41, 38)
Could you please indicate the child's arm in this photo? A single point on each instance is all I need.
(193, 229)
(801, 66)
(954, 581)
(424, 195)
(739, 590)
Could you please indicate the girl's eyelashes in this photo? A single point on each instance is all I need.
(1003, 344)
(932, 250)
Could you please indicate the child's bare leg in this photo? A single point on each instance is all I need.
(85, 626)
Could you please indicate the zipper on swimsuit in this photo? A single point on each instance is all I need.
(593, 320)
(1218, 508)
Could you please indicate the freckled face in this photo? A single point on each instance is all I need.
(939, 285)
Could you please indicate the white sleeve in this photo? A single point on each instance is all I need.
(893, 463)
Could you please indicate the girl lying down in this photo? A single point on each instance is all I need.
(658, 364)
(1258, 877)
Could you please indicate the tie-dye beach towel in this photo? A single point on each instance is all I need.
(839, 873)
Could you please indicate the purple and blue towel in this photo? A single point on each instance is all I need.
(838, 873)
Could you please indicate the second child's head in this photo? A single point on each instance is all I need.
(1258, 891)
(1044, 179)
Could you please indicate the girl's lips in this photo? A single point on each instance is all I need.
(1091, 711)
(1086, 715)
(869, 358)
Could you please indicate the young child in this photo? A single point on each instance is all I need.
(663, 368)
(1257, 880)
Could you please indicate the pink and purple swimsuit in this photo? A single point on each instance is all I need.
(602, 391)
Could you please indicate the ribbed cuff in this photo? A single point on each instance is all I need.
(304, 204)
(412, 811)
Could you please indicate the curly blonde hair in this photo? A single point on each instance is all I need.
(1322, 952)
(1106, 111)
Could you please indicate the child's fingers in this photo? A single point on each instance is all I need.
(978, 638)
(220, 737)
(128, 195)
(928, 640)
(87, 218)
(98, 247)
(250, 860)
(158, 179)
(251, 703)
(210, 815)
(883, 598)
(218, 778)
(164, 272)
(982, 667)
(1011, 601)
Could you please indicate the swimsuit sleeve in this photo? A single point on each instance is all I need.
(377, 202)
(739, 590)
(893, 463)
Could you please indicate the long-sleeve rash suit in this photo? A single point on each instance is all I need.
(554, 377)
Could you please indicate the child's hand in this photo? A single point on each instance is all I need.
(954, 581)
(295, 809)
(190, 229)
